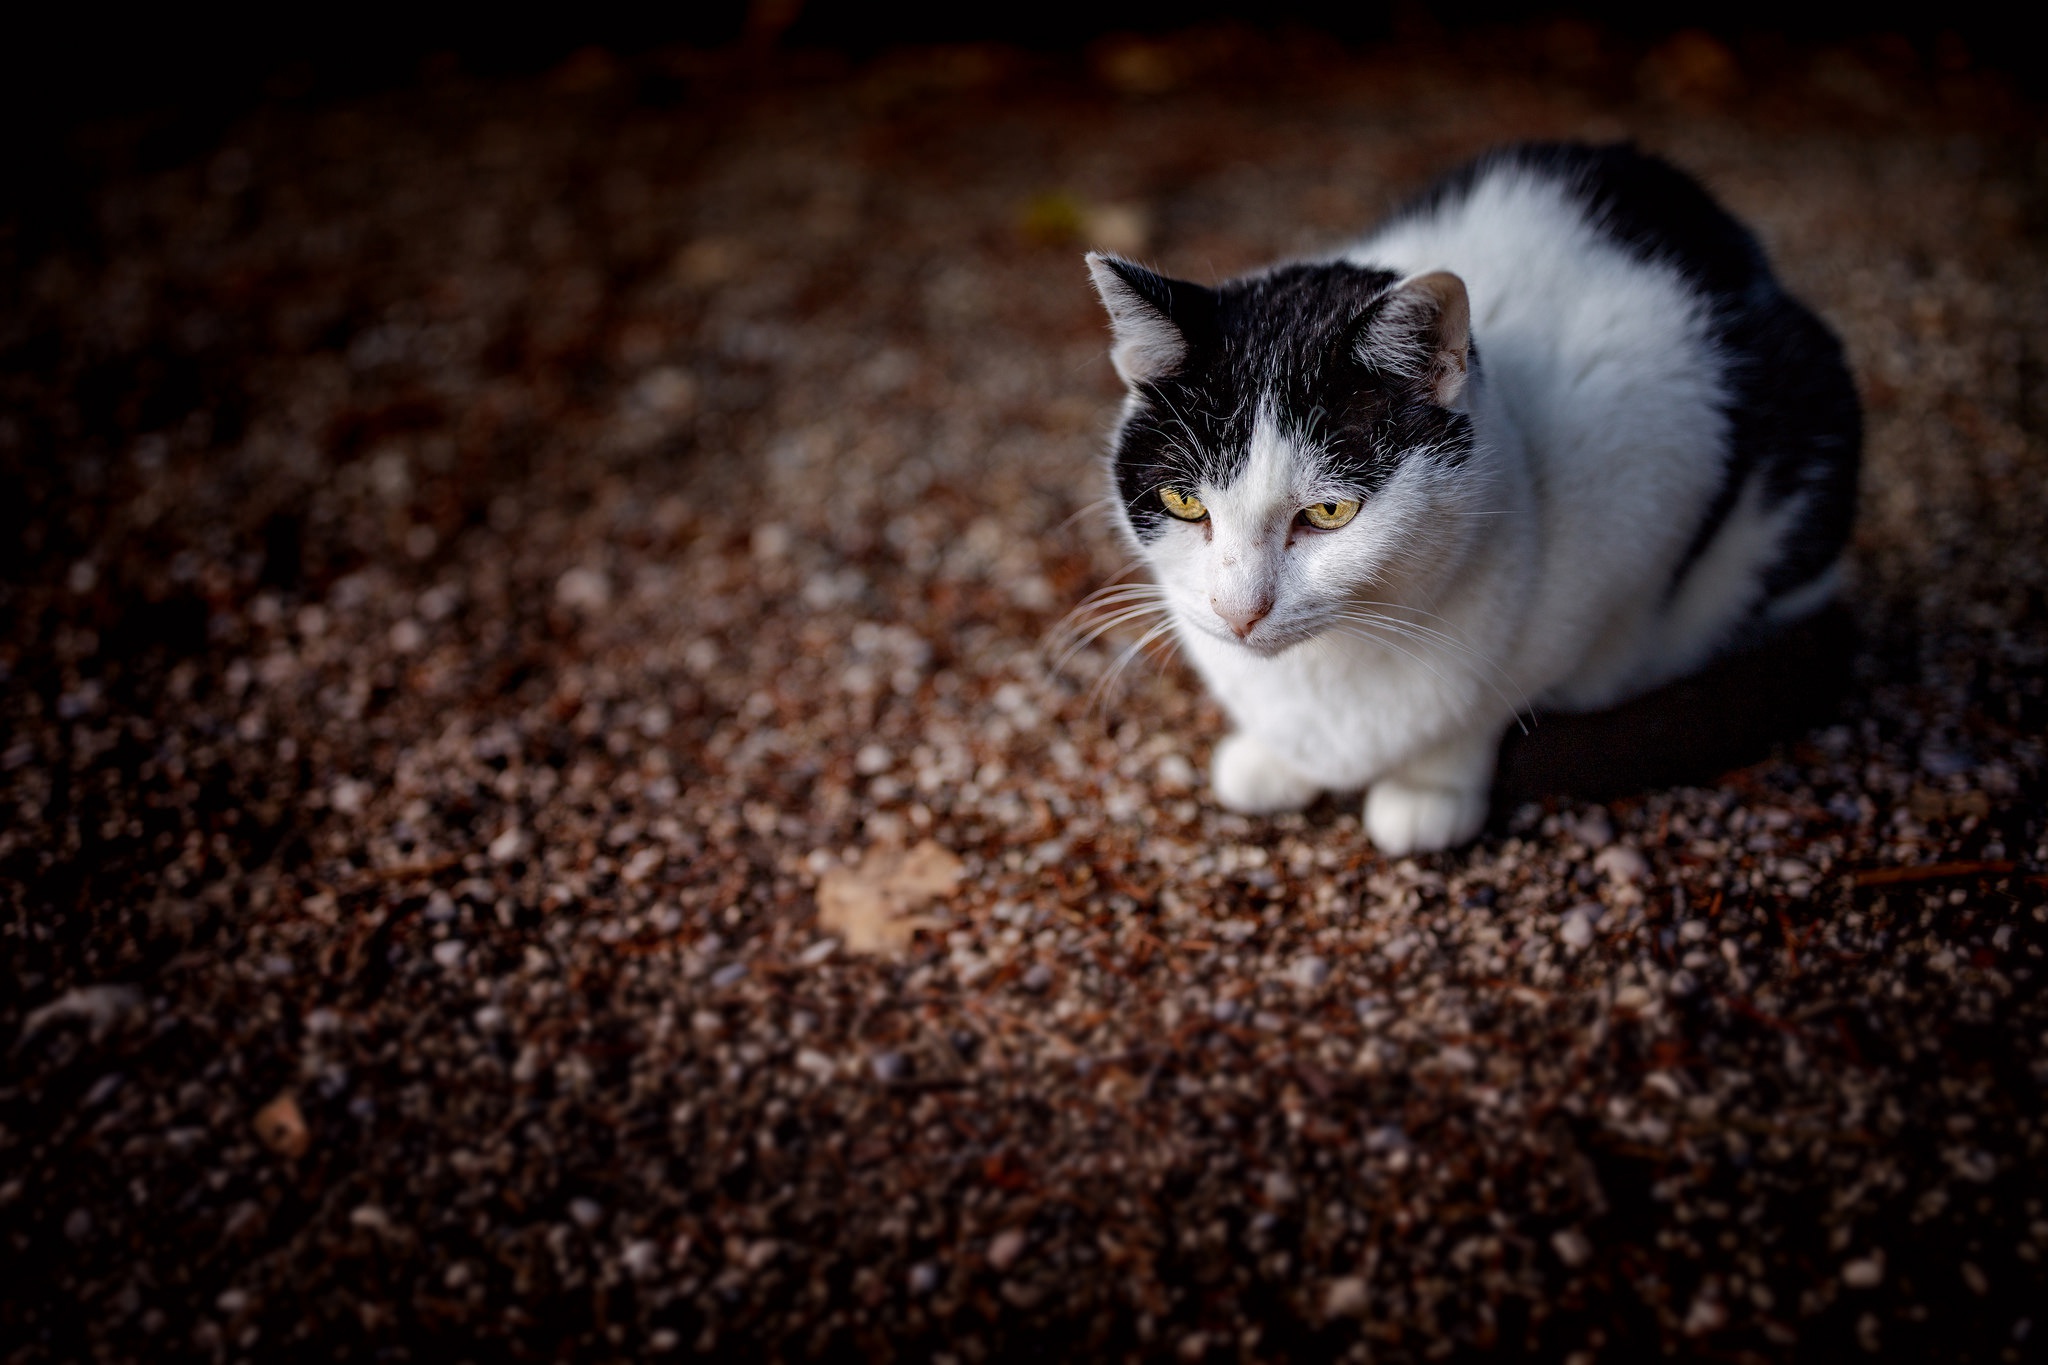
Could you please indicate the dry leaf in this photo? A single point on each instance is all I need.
(873, 908)
(282, 1128)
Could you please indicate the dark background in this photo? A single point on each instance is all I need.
(92, 62)
(93, 90)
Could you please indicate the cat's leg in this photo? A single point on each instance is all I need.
(1248, 778)
(1435, 800)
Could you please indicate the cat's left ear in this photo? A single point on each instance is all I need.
(1422, 331)
(1151, 315)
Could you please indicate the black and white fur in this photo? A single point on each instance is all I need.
(1595, 443)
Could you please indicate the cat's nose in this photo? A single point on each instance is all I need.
(1243, 614)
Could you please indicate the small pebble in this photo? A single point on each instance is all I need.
(1309, 971)
(1346, 1297)
(585, 588)
(1004, 1249)
(1619, 862)
(281, 1127)
(1176, 774)
(640, 1258)
(1572, 1247)
(370, 1218)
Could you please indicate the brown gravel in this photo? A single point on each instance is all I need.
(475, 559)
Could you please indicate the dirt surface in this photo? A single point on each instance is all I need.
(478, 558)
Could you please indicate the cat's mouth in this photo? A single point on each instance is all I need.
(1265, 640)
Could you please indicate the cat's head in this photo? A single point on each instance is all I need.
(1294, 443)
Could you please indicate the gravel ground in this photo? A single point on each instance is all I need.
(485, 564)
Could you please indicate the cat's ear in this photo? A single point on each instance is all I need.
(1151, 316)
(1422, 331)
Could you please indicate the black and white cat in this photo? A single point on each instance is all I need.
(1550, 437)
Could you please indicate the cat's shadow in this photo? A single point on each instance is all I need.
(1690, 732)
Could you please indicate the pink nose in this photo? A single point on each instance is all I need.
(1242, 616)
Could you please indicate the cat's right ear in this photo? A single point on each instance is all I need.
(1150, 314)
(1421, 331)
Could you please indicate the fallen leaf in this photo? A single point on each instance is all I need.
(874, 908)
(282, 1128)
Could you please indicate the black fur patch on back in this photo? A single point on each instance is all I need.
(1793, 417)
(1284, 337)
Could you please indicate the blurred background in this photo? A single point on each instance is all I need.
(89, 62)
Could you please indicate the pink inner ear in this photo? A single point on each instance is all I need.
(1423, 332)
(1451, 332)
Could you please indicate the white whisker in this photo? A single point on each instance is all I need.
(1422, 636)
(1100, 692)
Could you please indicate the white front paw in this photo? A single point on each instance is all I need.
(1404, 819)
(1247, 778)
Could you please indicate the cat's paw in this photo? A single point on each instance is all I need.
(1404, 819)
(1247, 778)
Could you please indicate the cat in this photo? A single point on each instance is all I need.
(1551, 436)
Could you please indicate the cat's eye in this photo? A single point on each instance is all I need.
(1328, 516)
(1183, 505)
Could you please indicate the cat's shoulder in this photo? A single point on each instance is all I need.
(1640, 202)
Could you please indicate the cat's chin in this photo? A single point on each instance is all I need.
(1264, 647)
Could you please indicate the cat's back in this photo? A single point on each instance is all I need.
(1521, 201)
(1693, 428)
(1595, 274)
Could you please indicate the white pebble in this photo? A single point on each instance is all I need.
(1309, 971)
(1176, 774)
(1621, 863)
(1346, 1298)
(1004, 1249)
(584, 587)
(640, 1259)
(1572, 1247)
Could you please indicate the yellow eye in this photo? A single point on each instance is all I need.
(1328, 516)
(1182, 505)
